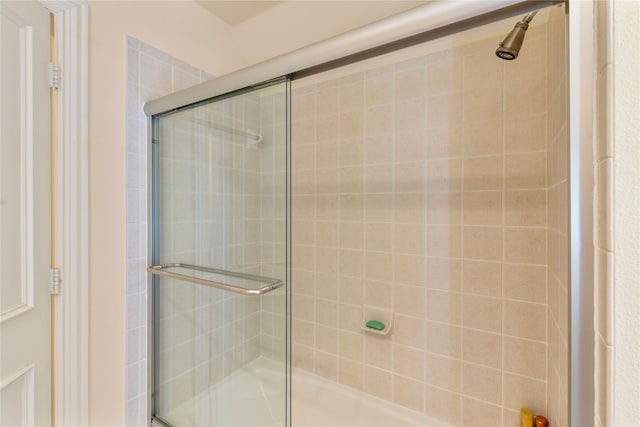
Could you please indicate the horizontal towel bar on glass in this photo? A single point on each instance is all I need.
(212, 277)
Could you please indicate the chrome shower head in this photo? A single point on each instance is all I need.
(510, 47)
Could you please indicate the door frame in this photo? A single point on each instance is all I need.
(71, 326)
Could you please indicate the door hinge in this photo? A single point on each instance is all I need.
(54, 75)
(56, 280)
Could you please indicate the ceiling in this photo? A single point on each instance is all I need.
(234, 12)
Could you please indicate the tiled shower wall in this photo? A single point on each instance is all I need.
(558, 217)
(421, 187)
(151, 73)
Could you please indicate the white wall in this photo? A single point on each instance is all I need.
(186, 31)
(626, 213)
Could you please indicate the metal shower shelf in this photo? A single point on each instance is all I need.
(193, 274)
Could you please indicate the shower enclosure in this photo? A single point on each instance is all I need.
(421, 184)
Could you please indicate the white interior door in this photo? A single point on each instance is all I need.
(25, 232)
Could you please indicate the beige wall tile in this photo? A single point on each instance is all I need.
(351, 96)
(482, 313)
(444, 274)
(483, 243)
(409, 114)
(326, 365)
(409, 207)
(409, 145)
(443, 110)
(379, 236)
(378, 382)
(443, 372)
(408, 392)
(443, 306)
(378, 179)
(409, 177)
(326, 313)
(351, 373)
(482, 278)
(482, 348)
(525, 320)
(303, 357)
(379, 207)
(304, 106)
(378, 149)
(525, 282)
(409, 362)
(482, 383)
(378, 294)
(525, 171)
(351, 124)
(409, 300)
(379, 89)
(483, 173)
(327, 101)
(351, 152)
(351, 235)
(379, 120)
(482, 138)
(378, 351)
(525, 245)
(409, 239)
(443, 208)
(526, 133)
(482, 208)
(476, 413)
(350, 317)
(327, 128)
(351, 290)
(442, 405)
(326, 285)
(444, 175)
(303, 333)
(444, 241)
(379, 266)
(443, 142)
(482, 104)
(326, 339)
(524, 392)
(351, 179)
(525, 357)
(409, 269)
(304, 308)
(444, 75)
(409, 83)
(351, 345)
(443, 339)
(525, 208)
(409, 331)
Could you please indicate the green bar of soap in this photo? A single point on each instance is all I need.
(374, 324)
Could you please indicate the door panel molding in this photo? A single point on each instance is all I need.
(23, 384)
(25, 170)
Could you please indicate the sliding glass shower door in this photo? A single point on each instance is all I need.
(219, 261)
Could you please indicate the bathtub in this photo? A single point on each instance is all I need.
(253, 396)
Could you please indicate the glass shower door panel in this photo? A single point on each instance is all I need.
(220, 180)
